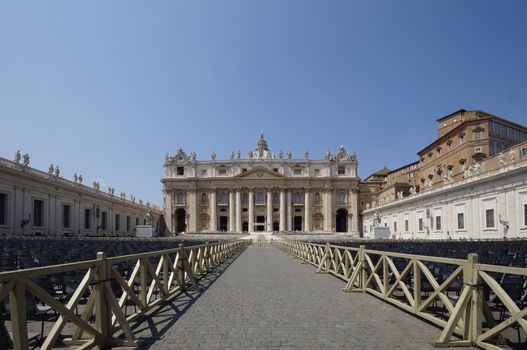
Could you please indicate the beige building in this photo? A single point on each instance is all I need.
(34, 202)
(263, 192)
(468, 183)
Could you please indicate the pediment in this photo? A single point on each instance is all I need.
(260, 173)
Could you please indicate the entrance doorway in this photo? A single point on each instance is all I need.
(297, 223)
(245, 226)
(342, 220)
(223, 223)
(276, 226)
(180, 220)
(260, 223)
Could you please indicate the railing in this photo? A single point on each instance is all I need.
(104, 321)
(460, 296)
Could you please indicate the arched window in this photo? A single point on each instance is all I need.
(223, 198)
(297, 198)
(180, 198)
(245, 198)
(341, 198)
(276, 198)
(318, 198)
(260, 198)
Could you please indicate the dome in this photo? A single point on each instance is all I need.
(262, 144)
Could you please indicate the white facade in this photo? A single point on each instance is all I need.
(264, 192)
(490, 204)
(33, 202)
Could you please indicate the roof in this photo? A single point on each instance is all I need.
(451, 114)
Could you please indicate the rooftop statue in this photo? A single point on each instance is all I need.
(17, 156)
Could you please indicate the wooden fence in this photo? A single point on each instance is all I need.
(151, 278)
(460, 296)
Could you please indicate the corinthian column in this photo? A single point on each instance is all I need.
(269, 210)
(232, 212)
(282, 210)
(251, 210)
(307, 211)
(213, 220)
(238, 211)
(289, 213)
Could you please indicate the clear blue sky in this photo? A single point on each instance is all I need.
(106, 88)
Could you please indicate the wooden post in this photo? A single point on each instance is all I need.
(362, 259)
(17, 303)
(384, 275)
(474, 313)
(143, 281)
(166, 273)
(181, 267)
(417, 286)
(103, 319)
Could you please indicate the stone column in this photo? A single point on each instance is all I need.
(282, 211)
(307, 211)
(232, 212)
(269, 210)
(251, 210)
(328, 210)
(213, 219)
(192, 211)
(238, 211)
(354, 204)
(289, 211)
(169, 211)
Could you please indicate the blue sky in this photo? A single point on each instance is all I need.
(106, 88)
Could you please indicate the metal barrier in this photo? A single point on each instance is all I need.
(162, 273)
(460, 296)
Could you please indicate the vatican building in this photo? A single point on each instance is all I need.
(263, 192)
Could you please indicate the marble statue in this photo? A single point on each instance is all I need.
(306, 155)
(328, 155)
(25, 159)
(213, 155)
(75, 178)
(57, 171)
(501, 159)
(250, 154)
(289, 154)
(17, 156)
(477, 168)
(281, 154)
(512, 156)
(400, 195)
(80, 179)
(239, 155)
(51, 169)
(149, 217)
(412, 190)
(231, 155)
(193, 155)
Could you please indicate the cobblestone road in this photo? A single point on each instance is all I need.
(267, 300)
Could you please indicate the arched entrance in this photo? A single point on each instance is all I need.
(342, 220)
(245, 226)
(181, 224)
(276, 226)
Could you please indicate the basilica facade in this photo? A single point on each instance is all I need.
(263, 192)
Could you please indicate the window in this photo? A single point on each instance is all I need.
(87, 219)
(395, 226)
(341, 198)
(489, 218)
(420, 224)
(204, 172)
(244, 170)
(260, 198)
(224, 198)
(136, 221)
(297, 198)
(478, 134)
(222, 171)
(460, 221)
(341, 170)
(276, 198)
(104, 221)
(38, 213)
(492, 148)
(523, 152)
(3, 209)
(245, 198)
(406, 228)
(275, 170)
(438, 223)
(127, 223)
(117, 222)
(180, 170)
(297, 171)
(317, 172)
(461, 139)
(180, 198)
(525, 214)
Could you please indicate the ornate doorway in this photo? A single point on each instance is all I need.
(342, 220)
(181, 224)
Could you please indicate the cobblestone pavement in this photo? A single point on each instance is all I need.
(267, 300)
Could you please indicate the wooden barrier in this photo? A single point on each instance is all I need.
(453, 299)
(104, 317)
